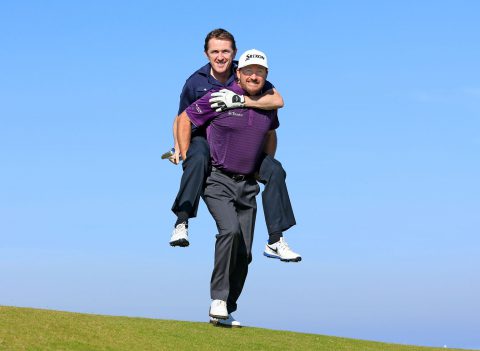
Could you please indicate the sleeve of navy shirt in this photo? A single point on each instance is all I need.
(268, 86)
(200, 112)
(186, 97)
(275, 123)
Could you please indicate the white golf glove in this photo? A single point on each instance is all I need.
(226, 99)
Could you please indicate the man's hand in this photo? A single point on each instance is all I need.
(173, 155)
(175, 158)
(226, 99)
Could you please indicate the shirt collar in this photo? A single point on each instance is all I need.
(205, 71)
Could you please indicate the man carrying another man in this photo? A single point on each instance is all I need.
(238, 139)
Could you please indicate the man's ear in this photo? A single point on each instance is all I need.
(238, 74)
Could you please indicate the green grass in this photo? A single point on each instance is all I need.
(35, 329)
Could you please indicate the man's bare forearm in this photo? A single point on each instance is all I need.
(271, 100)
(184, 133)
(175, 157)
(175, 127)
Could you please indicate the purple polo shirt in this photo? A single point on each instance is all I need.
(236, 137)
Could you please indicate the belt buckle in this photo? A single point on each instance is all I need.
(238, 177)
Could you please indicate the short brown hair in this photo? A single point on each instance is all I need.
(221, 34)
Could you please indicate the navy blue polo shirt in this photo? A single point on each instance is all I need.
(201, 82)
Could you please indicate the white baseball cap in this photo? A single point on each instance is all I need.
(252, 57)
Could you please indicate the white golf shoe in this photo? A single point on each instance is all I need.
(180, 235)
(218, 309)
(282, 251)
(230, 322)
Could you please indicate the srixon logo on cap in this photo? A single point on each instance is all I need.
(250, 56)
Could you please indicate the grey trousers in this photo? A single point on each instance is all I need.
(234, 208)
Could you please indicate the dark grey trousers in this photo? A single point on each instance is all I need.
(234, 208)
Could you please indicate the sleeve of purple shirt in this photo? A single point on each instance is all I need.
(200, 112)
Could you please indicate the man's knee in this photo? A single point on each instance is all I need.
(198, 158)
(232, 231)
(199, 145)
(271, 169)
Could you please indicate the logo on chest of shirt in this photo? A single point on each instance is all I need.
(233, 113)
(199, 110)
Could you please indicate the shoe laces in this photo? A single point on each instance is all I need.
(282, 245)
(220, 302)
(182, 225)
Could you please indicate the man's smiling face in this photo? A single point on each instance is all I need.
(252, 78)
(221, 55)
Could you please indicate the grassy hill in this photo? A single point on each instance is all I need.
(34, 329)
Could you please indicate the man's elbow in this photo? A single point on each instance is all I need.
(183, 119)
(280, 102)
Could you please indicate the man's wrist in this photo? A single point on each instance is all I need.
(238, 100)
(247, 101)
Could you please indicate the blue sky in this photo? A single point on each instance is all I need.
(380, 137)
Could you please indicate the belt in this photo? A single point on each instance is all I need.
(234, 176)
